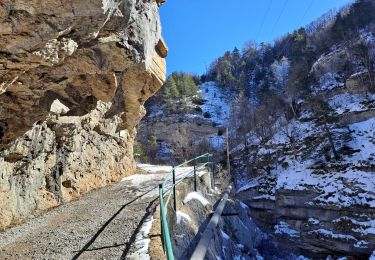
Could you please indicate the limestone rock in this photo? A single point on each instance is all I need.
(74, 76)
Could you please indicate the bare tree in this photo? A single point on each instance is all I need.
(323, 113)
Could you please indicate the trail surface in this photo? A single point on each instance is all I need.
(102, 224)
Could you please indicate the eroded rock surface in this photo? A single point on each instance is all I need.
(74, 76)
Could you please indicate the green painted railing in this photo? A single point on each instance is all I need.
(168, 188)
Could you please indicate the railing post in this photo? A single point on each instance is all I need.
(195, 177)
(161, 216)
(174, 189)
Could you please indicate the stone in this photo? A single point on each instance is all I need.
(74, 76)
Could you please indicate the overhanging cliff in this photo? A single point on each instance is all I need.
(74, 76)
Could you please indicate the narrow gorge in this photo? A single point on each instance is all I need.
(104, 154)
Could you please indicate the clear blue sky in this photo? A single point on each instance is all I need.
(198, 31)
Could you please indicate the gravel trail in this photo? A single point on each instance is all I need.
(102, 224)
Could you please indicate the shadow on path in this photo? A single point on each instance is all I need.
(149, 211)
(92, 240)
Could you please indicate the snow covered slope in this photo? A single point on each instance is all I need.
(294, 183)
(218, 102)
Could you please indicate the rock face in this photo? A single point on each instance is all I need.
(74, 76)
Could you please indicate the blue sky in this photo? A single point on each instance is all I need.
(198, 31)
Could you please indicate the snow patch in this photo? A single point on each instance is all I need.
(345, 103)
(196, 196)
(182, 216)
(149, 168)
(111, 7)
(313, 221)
(243, 205)
(361, 244)
(224, 235)
(284, 228)
(58, 108)
(372, 257)
(142, 240)
(330, 234)
(217, 103)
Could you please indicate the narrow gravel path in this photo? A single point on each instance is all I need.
(100, 225)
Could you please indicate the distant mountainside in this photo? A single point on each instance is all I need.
(179, 129)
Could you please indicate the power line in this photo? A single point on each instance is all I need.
(264, 19)
(303, 17)
(278, 18)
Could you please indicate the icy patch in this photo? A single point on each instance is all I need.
(142, 240)
(284, 228)
(182, 216)
(196, 196)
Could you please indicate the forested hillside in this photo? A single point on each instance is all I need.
(303, 132)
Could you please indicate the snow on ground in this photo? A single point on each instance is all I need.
(361, 244)
(329, 234)
(362, 227)
(314, 221)
(243, 205)
(348, 187)
(217, 102)
(301, 257)
(138, 179)
(372, 257)
(217, 142)
(283, 228)
(182, 216)
(153, 170)
(149, 168)
(142, 240)
(329, 81)
(344, 103)
(224, 235)
(250, 184)
(296, 177)
(196, 196)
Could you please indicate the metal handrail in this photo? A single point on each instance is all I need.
(205, 239)
(166, 240)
